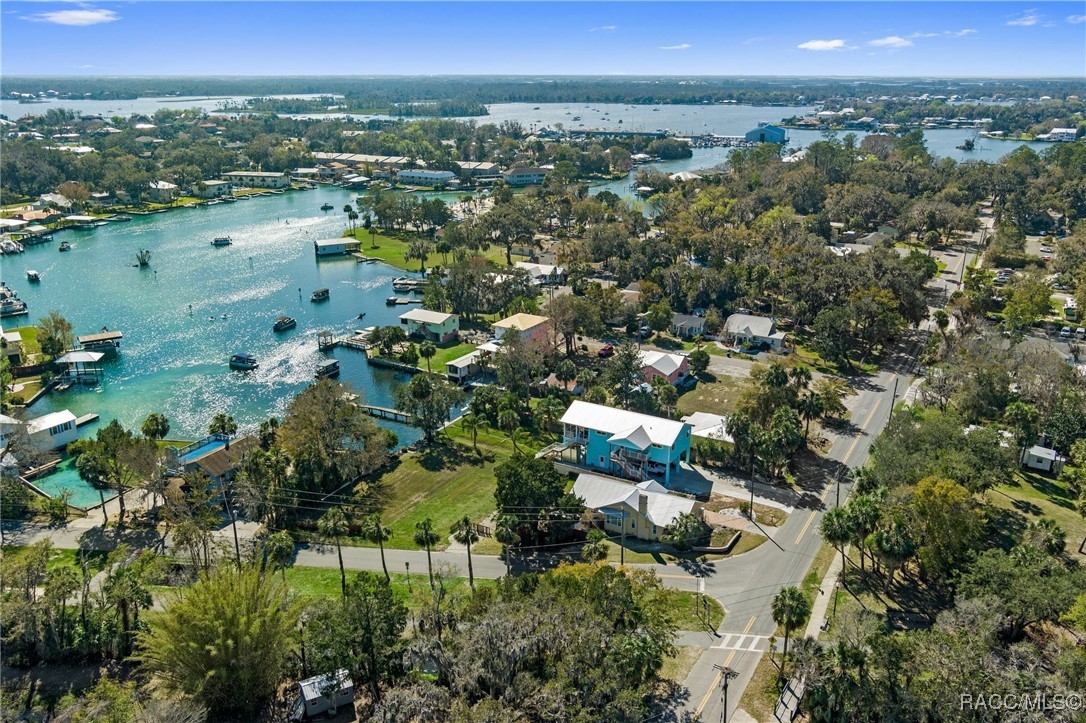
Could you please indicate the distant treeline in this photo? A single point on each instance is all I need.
(390, 91)
(364, 103)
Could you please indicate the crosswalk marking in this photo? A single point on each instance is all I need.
(744, 643)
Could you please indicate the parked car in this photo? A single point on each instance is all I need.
(1065, 332)
(606, 350)
(1080, 333)
(1046, 249)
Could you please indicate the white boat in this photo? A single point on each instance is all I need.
(328, 368)
(32, 276)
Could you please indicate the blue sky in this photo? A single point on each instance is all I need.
(642, 38)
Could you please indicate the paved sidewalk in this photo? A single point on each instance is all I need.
(821, 607)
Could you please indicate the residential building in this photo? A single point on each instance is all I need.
(625, 443)
(424, 177)
(53, 200)
(433, 325)
(753, 329)
(709, 426)
(525, 176)
(359, 160)
(479, 169)
(217, 457)
(642, 511)
(335, 246)
(258, 179)
(1042, 459)
(462, 369)
(543, 274)
(9, 428)
(11, 347)
(1059, 135)
(766, 133)
(534, 329)
(101, 198)
(686, 326)
(211, 189)
(161, 191)
(321, 172)
(45, 215)
(53, 431)
(672, 367)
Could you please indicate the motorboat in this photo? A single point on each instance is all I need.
(327, 207)
(319, 295)
(284, 322)
(65, 246)
(328, 368)
(222, 241)
(243, 362)
(33, 276)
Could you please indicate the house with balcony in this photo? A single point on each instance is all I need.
(625, 444)
(162, 191)
(643, 511)
(436, 326)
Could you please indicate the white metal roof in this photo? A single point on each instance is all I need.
(425, 316)
(749, 324)
(619, 421)
(80, 357)
(49, 420)
(1043, 452)
(663, 362)
(709, 426)
(599, 492)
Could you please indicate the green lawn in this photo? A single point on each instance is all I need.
(390, 247)
(58, 557)
(29, 336)
(496, 441)
(716, 397)
(445, 353)
(324, 582)
(690, 611)
(445, 483)
(1033, 496)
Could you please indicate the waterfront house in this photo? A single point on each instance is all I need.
(543, 274)
(672, 367)
(318, 172)
(9, 429)
(642, 511)
(161, 191)
(218, 457)
(687, 326)
(424, 177)
(11, 347)
(625, 443)
(53, 431)
(211, 188)
(1059, 135)
(753, 329)
(533, 328)
(525, 176)
(258, 179)
(12, 225)
(766, 133)
(335, 246)
(436, 326)
(43, 216)
(479, 169)
(1042, 459)
(462, 369)
(53, 200)
(101, 198)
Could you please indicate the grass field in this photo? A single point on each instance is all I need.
(324, 582)
(58, 558)
(29, 336)
(390, 247)
(1033, 496)
(718, 396)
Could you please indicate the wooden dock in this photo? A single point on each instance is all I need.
(386, 413)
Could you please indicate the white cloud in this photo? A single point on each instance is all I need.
(680, 46)
(604, 28)
(890, 41)
(1076, 19)
(85, 66)
(946, 34)
(837, 44)
(752, 41)
(86, 16)
(1028, 19)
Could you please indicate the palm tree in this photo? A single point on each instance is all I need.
(791, 609)
(810, 407)
(595, 549)
(156, 426)
(801, 378)
(374, 531)
(507, 532)
(509, 420)
(836, 529)
(472, 422)
(565, 373)
(279, 549)
(426, 537)
(427, 350)
(332, 527)
(465, 533)
(224, 424)
(548, 411)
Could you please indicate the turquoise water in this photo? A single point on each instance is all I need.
(66, 477)
(196, 305)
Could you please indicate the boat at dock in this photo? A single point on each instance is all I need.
(33, 276)
(65, 246)
(319, 295)
(121, 217)
(327, 207)
(284, 322)
(394, 300)
(9, 246)
(243, 362)
(328, 368)
(105, 341)
(10, 303)
(222, 241)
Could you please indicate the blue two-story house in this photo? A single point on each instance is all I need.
(626, 444)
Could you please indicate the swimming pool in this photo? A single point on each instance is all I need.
(66, 477)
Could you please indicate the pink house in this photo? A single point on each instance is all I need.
(532, 328)
(673, 367)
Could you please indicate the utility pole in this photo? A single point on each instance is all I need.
(233, 523)
(839, 484)
(622, 547)
(726, 675)
(893, 401)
